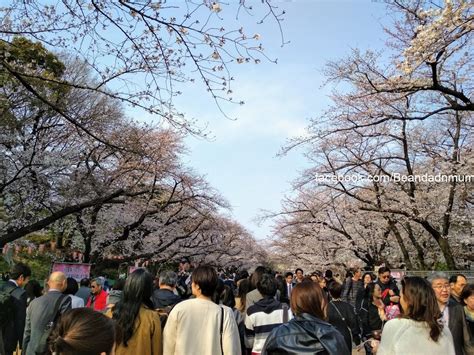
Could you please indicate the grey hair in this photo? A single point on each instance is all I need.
(99, 281)
(436, 276)
(168, 278)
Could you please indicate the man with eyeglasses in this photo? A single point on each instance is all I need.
(390, 291)
(98, 298)
(452, 314)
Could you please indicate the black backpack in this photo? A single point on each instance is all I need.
(7, 305)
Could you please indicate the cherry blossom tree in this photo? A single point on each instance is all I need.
(142, 53)
(398, 118)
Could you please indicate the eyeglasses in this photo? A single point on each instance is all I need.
(385, 276)
(442, 287)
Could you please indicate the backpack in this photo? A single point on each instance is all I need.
(7, 305)
(164, 313)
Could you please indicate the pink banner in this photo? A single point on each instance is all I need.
(76, 271)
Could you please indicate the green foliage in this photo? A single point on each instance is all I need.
(21, 51)
(40, 264)
(39, 68)
(39, 238)
(441, 266)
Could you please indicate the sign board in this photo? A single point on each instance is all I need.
(77, 271)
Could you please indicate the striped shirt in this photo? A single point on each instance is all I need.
(261, 319)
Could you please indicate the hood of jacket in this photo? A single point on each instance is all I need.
(164, 298)
(267, 304)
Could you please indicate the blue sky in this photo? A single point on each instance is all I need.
(241, 160)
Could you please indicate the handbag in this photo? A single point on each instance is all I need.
(392, 310)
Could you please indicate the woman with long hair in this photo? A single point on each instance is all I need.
(308, 332)
(243, 287)
(199, 325)
(372, 314)
(367, 279)
(135, 315)
(418, 331)
(83, 331)
(342, 316)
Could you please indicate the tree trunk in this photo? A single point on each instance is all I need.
(419, 249)
(401, 244)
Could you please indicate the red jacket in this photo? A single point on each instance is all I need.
(100, 301)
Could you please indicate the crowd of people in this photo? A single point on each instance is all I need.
(204, 311)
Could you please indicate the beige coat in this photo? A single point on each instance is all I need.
(193, 328)
(146, 339)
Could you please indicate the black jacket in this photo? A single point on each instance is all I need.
(458, 327)
(391, 285)
(369, 318)
(342, 316)
(163, 298)
(13, 333)
(305, 334)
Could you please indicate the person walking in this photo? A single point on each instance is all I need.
(71, 290)
(417, 332)
(352, 286)
(198, 325)
(264, 315)
(372, 314)
(342, 316)
(308, 332)
(254, 295)
(12, 329)
(43, 313)
(367, 279)
(84, 289)
(134, 314)
(98, 297)
(83, 331)
(452, 314)
(467, 297)
(165, 296)
(388, 286)
(289, 284)
(457, 283)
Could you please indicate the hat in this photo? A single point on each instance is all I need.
(184, 260)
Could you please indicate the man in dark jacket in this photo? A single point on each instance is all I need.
(452, 314)
(289, 285)
(85, 290)
(41, 312)
(12, 333)
(390, 291)
(165, 296)
(457, 283)
(352, 287)
(183, 286)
